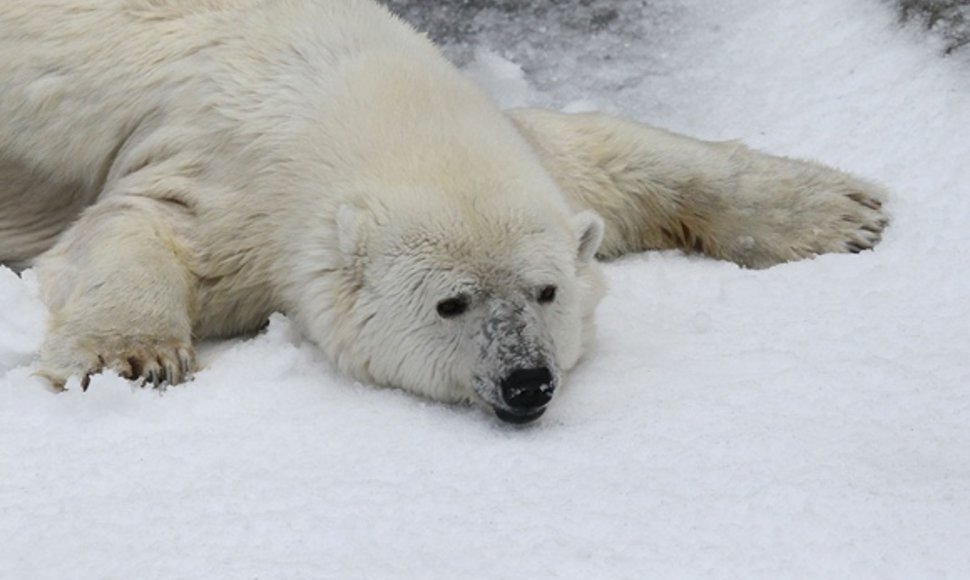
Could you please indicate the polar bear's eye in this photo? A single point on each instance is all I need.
(451, 307)
(547, 294)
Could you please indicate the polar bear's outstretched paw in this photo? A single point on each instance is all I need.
(149, 361)
(659, 190)
(789, 210)
(865, 227)
(845, 223)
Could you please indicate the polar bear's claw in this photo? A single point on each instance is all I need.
(866, 200)
(155, 364)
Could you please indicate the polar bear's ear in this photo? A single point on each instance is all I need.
(588, 233)
(352, 232)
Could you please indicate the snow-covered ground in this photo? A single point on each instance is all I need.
(807, 421)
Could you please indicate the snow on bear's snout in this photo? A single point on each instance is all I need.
(516, 372)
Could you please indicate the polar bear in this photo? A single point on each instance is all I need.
(180, 169)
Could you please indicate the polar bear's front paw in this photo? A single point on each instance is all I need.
(150, 361)
(859, 225)
(796, 210)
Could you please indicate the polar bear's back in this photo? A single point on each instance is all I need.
(89, 85)
(79, 75)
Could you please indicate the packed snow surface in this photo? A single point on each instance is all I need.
(810, 420)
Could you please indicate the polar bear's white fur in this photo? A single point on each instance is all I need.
(180, 169)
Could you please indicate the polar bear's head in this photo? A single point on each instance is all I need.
(477, 302)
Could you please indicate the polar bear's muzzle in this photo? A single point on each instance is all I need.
(526, 392)
(516, 372)
(522, 396)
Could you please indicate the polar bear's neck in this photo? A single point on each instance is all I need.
(418, 124)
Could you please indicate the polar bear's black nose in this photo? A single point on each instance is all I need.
(527, 389)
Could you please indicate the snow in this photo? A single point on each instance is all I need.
(810, 420)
